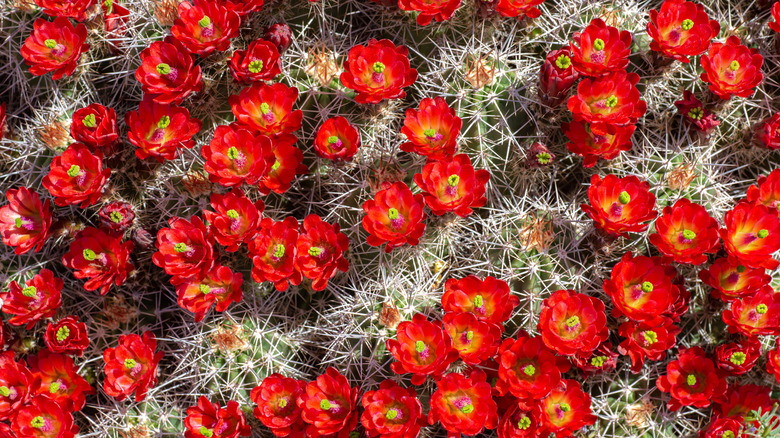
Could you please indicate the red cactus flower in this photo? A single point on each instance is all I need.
(464, 405)
(100, 257)
(644, 341)
(619, 205)
(395, 216)
(67, 336)
(42, 417)
(320, 251)
(610, 99)
(160, 130)
(721, 427)
(766, 191)
(605, 141)
(692, 380)
(206, 26)
(274, 252)
(565, 410)
(57, 378)
(432, 130)
(732, 69)
(538, 155)
(392, 412)
(475, 341)
(767, 135)
(600, 49)
(378, 70)
(572, 323)
(76, 177)
(681, 29)
(693, 112)
(235, 220)
(441, 10)
(328, 405)
(54, 47)
(116, 18)
(737, 358)
(280, 35)
(167, 71)
(15, 385)
(131, 367)
(519, 8)
(236, 156)
(528, 369)
(267, 109)
(259, 62)
(95, 126)
(757, 314)
(773, 362)
(209, 420)
(489, 300)
(421, 348)
(453, 185)
(775, 25)
(337, 140)
(25, 221)
(39, 298)
(730, 280)
(289, 162)
(276, 405)
(602, 359)
(186, 249)
(75, 9)
(518, 421)
(685, 232)
(116, 217)
(752, 234)
(557, 75)
(220, 285)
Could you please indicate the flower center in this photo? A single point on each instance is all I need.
(18, 222)
(204, 289)
(598, 361)
(256, 66)
(696, 113)
(611, 101)
(54, 387)
(378, 67)
(232, 214)
(728, 434)
(762, 309)
(282, 403)
(30, 292)
(392, 214)
(763, 233)
(325, 404)
(279, 251)
(164, 122)
(89, 255)
(63, 333)
(4, 391)
(453, 180)
(469, 335)
(315, 251)
(232, 152)
(38, 422)
(74, 171)
(276, 165)
(543, 158)
(738, 358)
(206, 432)
(479, 301)
(130, 363)
(650, 337)
(467, 409)
(624, 198)
(563, 62)
(529, 370)
(598, 44)
(163, 68)
(265, 108)
(573, 321)
(205, 21)
(333, 139)
(647, 287)
(116, 217)
(391, 414)
(564, 407)
(741, 269)
(690, 380)
(419, 346)
(524, 423)
(89, 121)
(181, 247)
(688, 235)
(687, 24)
(734, 66)
(50, 43)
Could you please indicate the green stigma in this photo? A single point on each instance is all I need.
(543, 158)
(116, 217)
(265, 108)
(54, 387)
(467, 409)
(89, 121)
(696, 113)
(63, 333)
(738, 358)
(276, 165)
(205, 21)
(315, 251)
(469, 335)
(256, 66)
(529, 370)
(650, 337)
(687, 24)
(38, 422)
(573, 321)
(598, 361)
(181, 247)
(5, 391)
(741, 269)
(762, 309)
(130, 363)
(392, 214)
(763, 233)
(690, 380)
(453, 180)
(30, 291)
(50, 43)
(419, 346)
(611, 101)
(728, 434)
(325, 404)
(564, 407)
(688, 235)
(333, 139)
(624, 198)
(524, 423)
(430, 133)
(232, 152)
(282, 403)
(206, 432)
(479, 301)
(391, 414)
(89, 255)
(164, 122)
(563, 62)
(204, 289)
(378, 67)
(598, 44)
(108, 4)
(232, 214)
(734, 66)
(18, 222)
(74, 171)
(163, 68)
(279, 251)
(647, 287)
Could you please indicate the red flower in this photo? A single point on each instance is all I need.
(489, 300)
(557, 74)
(737, 358)
(602, 359)
(773, 363)
(220, 285)
(25, 221)
(453, 185)
(40, 298)
(767, 135)
(15, 385)
(600, 49)
(767, 191)
(167, 71)
(519, 8)
(267, 109)
(538, 155)
(274, 253)
(288, 164)
(57, 378)
(337, 140)
(720, 427)
(519, 421)
(116, 18)
(205, 26)
(604, 141)
(100, 257)
(131, 367)
(565, 410)
(692, 380)
(475, 341)
(693, 111)
(95, 126)
(116, 217)
(236, 156)
(280, 35)
(160, 130)
(742, 400)
(43, 417)
(320, 251)
(685, 232)
(647, 341)
(732, 69)
(464, 405)
(620, 205)
(730, 280)
(432, 130)
(681, 29)
(235, 220)
(440, 10)
(328, 406)
(775, 25)
(395, 216)
(528, 369)
(757, 314)
(67, 336)
(75, 9)
(377, 71)
(186, 249)
(572, 323)
(259, 62)
(276, 405)
(392, 412)
(209, 420)
(610, 99)
(76, 177)
(752, 234)
(421, 348)
(54, 47)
